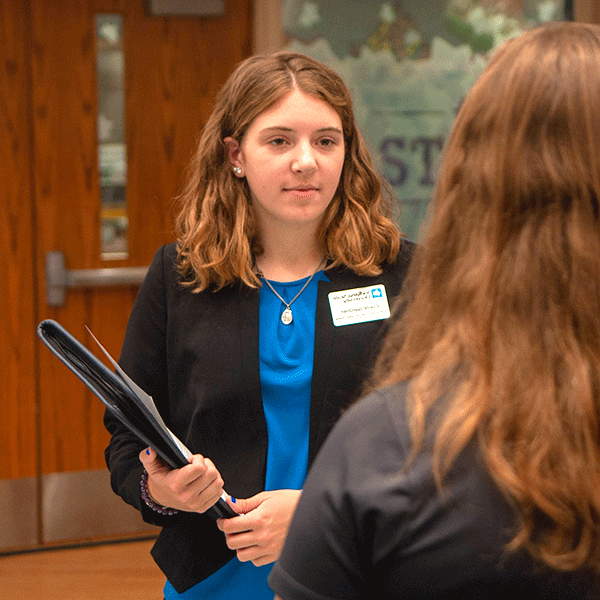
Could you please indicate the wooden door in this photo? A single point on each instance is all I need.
(586, 11)
(173, 68)
(18, 431)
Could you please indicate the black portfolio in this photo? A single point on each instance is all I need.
(123, 398)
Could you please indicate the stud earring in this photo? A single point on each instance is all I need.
(237, 170)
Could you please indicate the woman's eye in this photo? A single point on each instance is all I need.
(327, 142)
(277, 142)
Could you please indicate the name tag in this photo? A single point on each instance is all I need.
(359, 305)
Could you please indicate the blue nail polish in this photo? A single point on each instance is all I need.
(233, 500)
(148, 451)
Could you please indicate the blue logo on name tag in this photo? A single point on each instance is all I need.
(377, 293)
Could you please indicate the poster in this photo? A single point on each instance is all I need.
(409, 65)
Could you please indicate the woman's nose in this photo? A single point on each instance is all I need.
(305, 160)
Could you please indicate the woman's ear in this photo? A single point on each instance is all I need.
(233, 153)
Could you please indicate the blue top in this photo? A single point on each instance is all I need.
(286, 361)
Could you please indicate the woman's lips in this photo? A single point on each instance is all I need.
(302, 191)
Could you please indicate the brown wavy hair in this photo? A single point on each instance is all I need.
(502, 312)
(216, 228)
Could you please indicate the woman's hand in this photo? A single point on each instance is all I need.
(193, 488)
(259, 531)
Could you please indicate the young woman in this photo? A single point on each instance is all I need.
(474, 469)
(255, 329)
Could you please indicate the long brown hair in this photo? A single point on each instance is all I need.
(216, 228)
(503, 305)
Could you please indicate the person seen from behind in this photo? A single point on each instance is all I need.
(471, 469)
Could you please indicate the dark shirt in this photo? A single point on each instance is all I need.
(366, 528)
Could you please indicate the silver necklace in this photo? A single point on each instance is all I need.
(286, 315)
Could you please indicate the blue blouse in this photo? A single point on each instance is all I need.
(286, 361)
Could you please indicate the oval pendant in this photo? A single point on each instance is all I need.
(286, 316)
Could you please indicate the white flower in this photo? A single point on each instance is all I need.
(309, 15)
(547, 11)
(387, 14)
(477, 18)
(412, 37)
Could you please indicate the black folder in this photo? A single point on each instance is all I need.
(123, 398)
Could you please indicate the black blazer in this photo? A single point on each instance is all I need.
(197, 356)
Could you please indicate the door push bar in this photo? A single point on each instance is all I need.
(58, 277)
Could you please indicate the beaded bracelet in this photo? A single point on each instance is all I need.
(163, 510)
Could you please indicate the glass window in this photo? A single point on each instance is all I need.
(409, 65)
(112, 149)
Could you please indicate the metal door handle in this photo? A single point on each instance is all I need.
(58, 277)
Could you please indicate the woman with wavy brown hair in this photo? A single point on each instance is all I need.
(255, 329)
(473, 469)
(219, 236)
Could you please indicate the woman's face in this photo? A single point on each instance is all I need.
(292, 157)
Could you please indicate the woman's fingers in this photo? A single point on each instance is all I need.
(193, 488)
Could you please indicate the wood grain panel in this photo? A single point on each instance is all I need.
(64, 95)
(173, 68)
(17, 305)
(67, 193)
(586, 11)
